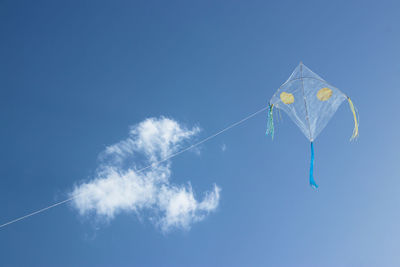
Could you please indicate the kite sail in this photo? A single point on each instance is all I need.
(310, 102)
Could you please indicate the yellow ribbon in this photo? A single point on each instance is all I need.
(355, 130)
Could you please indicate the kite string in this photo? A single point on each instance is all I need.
(38, 211)
(147, 167)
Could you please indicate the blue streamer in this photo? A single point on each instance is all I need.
(312, 181)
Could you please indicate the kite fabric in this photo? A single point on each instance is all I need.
(310, 102)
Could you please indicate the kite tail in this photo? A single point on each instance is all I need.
(353, 109)
(270, 124)
(312, 181)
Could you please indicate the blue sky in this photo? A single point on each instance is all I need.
(76, 75)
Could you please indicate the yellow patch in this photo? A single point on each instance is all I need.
(287, 98)
(324, 94)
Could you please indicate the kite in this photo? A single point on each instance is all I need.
(310, 102)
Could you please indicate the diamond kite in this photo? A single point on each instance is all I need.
(310, 102)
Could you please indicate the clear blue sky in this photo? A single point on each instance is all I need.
(74, 75)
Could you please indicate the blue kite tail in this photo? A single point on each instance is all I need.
(312, 181)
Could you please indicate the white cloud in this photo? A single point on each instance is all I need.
(223, 147)
(182, 209)
(119, 186)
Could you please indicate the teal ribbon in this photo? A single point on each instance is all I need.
(270, 124)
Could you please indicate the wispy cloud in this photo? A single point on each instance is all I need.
(120, 187)
(223, 147)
